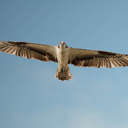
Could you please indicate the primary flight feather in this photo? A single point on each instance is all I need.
(64, 55)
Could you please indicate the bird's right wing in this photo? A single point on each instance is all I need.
(29, 50)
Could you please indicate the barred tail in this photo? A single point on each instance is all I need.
(63, 72)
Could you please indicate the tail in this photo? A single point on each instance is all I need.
(63, 72)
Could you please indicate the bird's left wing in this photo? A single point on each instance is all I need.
(99, 59)
(29, 50)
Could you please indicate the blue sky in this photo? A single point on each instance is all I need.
(31, 96)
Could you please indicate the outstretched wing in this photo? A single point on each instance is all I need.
(99, 59)
(29, 50)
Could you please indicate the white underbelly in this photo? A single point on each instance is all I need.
(63, 55)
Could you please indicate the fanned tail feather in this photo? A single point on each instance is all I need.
(63, 73)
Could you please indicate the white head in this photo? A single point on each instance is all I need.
(62, 44)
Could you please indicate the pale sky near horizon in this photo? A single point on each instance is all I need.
(31, 96)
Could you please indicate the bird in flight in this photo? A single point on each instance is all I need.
(64, 55)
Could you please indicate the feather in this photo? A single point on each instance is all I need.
(29, 50)
(93, 58)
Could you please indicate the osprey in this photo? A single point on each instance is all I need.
(64, 55)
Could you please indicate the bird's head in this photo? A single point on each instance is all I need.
(62, 44)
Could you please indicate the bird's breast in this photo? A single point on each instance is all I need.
(63, 55)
